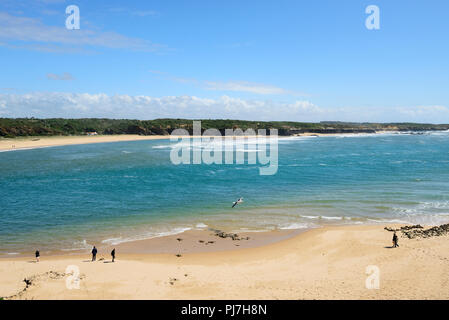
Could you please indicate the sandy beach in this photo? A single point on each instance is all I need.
(53, 141)
(322, 263)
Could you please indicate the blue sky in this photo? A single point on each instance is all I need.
(256, 60)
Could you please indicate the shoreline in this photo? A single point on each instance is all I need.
(164, 243)
(322, 263)
(26, 143)
(192, 241)
(35, 142)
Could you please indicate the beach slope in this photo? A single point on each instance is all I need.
(324, 263)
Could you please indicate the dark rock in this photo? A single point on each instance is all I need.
(224, 235)
(432, 232)
(417, 226)
(417, 231)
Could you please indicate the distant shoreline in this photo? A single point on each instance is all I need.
(34, 142)
(23, 143)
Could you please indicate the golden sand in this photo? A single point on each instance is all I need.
(324, 263)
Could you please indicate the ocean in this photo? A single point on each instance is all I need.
(71, 197)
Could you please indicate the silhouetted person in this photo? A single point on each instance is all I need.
(94, 254)
(37, 254)
(113, 255)
(395, 240)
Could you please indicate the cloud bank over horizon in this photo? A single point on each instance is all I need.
(86, 105)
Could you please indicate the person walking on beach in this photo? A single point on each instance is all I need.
(395, 240)
(113, 255)
(94, 254)
(37, 254)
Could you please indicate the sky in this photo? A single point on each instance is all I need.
(251, 60)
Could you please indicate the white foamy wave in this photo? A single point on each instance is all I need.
(331, 218)
(78, 245)
(218, 144)
(201, 225)
(422, 207)
(293, 226)
(311, 217)
(112, 241)
(364, 135)
(389, 221)
(439, 133)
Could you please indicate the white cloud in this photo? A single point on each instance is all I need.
(31, 32)
(57, 104)
(79, 105)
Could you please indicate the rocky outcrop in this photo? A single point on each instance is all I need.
(417, 226)
(417, 231)
(432, 232)
(233, 236)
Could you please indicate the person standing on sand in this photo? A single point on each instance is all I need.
(94, 254)
(37, 254)
(113, 255)
(395, 240)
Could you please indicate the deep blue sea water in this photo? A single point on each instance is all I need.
(69, 197)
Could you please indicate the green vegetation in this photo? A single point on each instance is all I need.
(52, 127)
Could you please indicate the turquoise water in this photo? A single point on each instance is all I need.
(66, 198)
